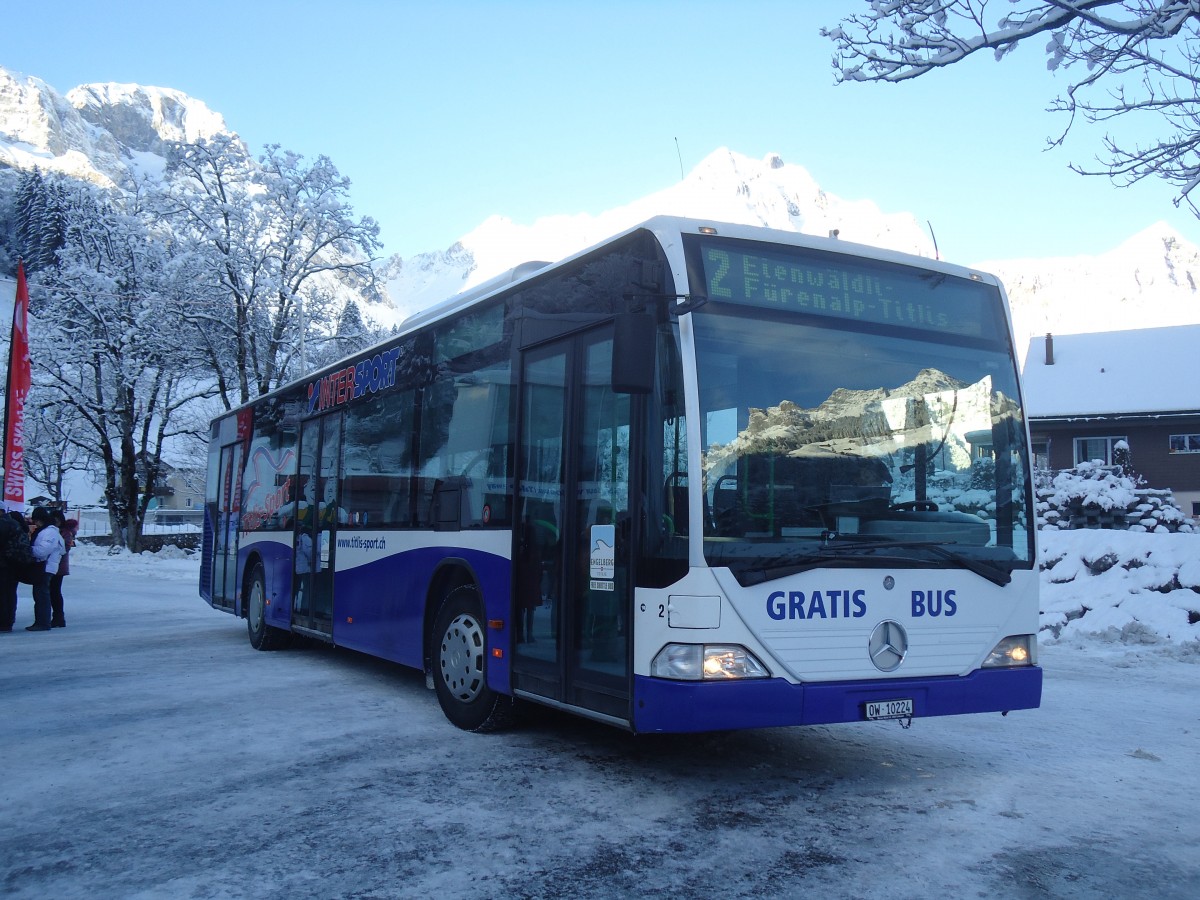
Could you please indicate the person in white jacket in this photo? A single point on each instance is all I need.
(48, 548)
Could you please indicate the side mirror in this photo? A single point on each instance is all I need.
(634, 340)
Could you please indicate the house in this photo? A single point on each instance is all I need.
(1086, 393)
(179, 498)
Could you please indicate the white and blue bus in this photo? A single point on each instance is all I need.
(697, 477)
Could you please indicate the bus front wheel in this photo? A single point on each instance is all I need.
(262, 635)
(459, 661)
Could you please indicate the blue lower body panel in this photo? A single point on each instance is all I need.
(660, 705)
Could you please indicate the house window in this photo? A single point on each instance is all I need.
(1185, 443)
(1041, 453)
(1091, 449)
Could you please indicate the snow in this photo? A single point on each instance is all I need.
(1120, 587)
(150, 752)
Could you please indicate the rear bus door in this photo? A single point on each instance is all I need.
(225, 529)
(317, 518)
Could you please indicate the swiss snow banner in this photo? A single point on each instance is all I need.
(18, 390)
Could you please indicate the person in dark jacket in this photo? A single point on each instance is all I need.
(15, 555)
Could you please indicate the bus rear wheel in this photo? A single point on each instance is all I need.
(262, 635)
(459, 661)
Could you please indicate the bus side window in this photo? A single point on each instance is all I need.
(467, 440)
(377, 483)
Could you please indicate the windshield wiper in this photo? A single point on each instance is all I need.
(835, 551)
(781, 566)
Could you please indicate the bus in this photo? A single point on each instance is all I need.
(698, 477)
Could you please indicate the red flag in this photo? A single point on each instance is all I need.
(18, 390)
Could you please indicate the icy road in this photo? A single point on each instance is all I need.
(150, 752)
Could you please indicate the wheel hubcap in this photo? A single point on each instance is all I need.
(461, 658)
(256, 606)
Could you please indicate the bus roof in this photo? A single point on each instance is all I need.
(666, 229)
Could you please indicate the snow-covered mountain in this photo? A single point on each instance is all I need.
(1150, 280)
(724, 187)
(104, 132)
(111, 135)
(97, 132)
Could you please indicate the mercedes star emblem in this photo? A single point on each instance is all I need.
(889, 644)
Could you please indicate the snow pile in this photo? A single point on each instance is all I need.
(1093, 495)
(170, 563)
(1132, 587)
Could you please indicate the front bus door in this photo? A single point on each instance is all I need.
(316, 524)
(572, 578)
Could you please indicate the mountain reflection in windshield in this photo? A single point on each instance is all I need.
(914, 461)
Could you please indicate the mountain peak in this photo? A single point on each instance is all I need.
(1159, 238)
(145, 118)
(39, 127)
(725, 186)
(94, 131)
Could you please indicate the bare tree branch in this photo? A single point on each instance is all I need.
(1130, 60)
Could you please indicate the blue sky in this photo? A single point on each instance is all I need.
(442, 114)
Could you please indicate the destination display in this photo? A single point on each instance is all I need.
(825, 284)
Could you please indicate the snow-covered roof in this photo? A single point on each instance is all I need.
(1149, 370)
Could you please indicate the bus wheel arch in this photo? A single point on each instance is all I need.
(458, 662)
(254, 608)
(449, 576)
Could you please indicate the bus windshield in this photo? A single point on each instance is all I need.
(843, 443)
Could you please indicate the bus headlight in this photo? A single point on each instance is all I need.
(706, 662)
(1014, 650)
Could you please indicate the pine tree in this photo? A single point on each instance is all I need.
(41, 220)
(351, 334)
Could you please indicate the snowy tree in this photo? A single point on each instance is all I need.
(9, 252)
(274, 239)
(210, 207)
(1122, 457)
(1132, 59)
(40, 219)
(351, 332)
(350, 335)
(110, 344)
(57, 443)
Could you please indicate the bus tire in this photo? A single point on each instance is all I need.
(459, 661)
(262, 635)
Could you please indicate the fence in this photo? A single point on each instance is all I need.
(94, 522)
